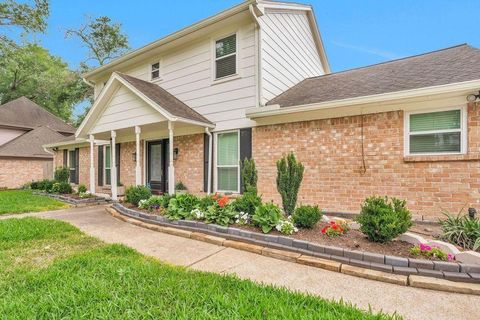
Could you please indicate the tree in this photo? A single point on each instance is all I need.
(31, 18)
(103, 39)
(30, 70)
(289, 177)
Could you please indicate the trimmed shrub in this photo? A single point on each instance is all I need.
(180, 186)
(82, 189)
(62, 174)
(42, 185)
(461, 230)
(289, 178)
(306, 216)
(62, 187)
(248, 202)
(267, 216)
(134, 194)
(383, 218)
(249, 175)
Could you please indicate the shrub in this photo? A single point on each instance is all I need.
(461, 230)
(249, 174)
(62, 174)
(383, 219)
(286, 226)
(307, 216)
(289, 178)
(82, 189)
(267, 216)
(134, 194)
(62, 187)
(181, 206)
(180, 186)
(248, 202)
(430, 252)
(43, 185)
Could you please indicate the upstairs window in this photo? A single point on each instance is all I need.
(155, 70)
(226, 57)
(441, 132)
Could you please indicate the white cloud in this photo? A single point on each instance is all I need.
(374, 51)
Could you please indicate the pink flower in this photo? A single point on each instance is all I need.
(451, 257)
(425, 247)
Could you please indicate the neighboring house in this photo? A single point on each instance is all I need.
(254, 81)
(24, 128)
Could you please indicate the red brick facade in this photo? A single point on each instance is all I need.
(189, 163)
(335, 178)
(14, 173)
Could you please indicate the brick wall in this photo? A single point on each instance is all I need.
(127, 164)
(189, 164)
(334, 177)
(14, 173)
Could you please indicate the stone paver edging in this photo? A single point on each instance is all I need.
(75, 202)
(301, 256)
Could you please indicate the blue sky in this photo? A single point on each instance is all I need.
(355, 33)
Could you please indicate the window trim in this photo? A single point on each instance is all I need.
(105, 165)
(68, 165)
(215, 158)
(236, 75)
(150, 70)
(463, 131)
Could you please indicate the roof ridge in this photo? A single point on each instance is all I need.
(392, 61)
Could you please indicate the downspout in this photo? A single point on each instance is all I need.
(258, 56)
(209, 170)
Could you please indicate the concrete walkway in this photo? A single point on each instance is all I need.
(412, 303)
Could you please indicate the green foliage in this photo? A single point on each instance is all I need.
(432, 252)
(42, 185)
(180, 186)
(62, 174)
(62, 188)
(267, 216)
(82, 189)
(249, 175)
(461, 230)
(289, 177)
(23, 15)
(19, 201)
(307, 216)
(383, 218)
(152, 203)
(134, 194)
(286, 226)
(181, 206)
(206, 202)
(248, 201)
(221, 215)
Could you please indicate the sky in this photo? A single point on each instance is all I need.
(355, 33)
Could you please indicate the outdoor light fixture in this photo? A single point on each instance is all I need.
(472, 213)
(473, 97)
(134, 157)
(175, 154)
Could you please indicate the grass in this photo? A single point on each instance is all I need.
(50, 270)
(20, 201)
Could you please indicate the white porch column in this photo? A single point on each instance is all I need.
(171, 172)
(138, 170)
(113, 167)
(92, 164)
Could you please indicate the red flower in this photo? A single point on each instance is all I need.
(222, 202)
(324, 230)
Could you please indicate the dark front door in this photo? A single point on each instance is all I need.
(157, 166)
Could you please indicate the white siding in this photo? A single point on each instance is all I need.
(289, 53)
(125, 110)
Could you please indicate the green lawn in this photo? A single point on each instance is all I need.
(19, 201)
(50, 270)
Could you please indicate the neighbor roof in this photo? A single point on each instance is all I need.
(30, 144)
(447, 66)
(164, 99)
(24, 113)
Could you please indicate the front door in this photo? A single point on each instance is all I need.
(157, 165)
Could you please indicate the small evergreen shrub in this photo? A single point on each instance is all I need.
(307, 216)
(134, 194)
(180, 186)
(461, 230)
(62, 174)
(267, 216)
(289, 178)
(249, 174)
(248, 202)
(383, 218)
(62, 187)
(43, 185)
(82, 189)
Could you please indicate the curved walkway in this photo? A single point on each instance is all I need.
(412, 303)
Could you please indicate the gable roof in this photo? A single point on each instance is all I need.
(447, 66)
(24, 113)
(164, 99)
(30, 144)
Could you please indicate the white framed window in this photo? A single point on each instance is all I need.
(107, 164)
(72, 164)
(436, 132)
(155, 70)
(227, 161)
(225, 57)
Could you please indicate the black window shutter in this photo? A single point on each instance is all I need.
(77, 165)
(245, 148)
(100, 165)
(205, 161)
(117, 161)
(65, 156)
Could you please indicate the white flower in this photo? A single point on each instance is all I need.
(242, 218)
(286, 226)
(197, 214)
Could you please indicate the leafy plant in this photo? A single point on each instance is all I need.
(62, 188)
(335, 229)
(181, 206)
(152, 203)
(82, 189)
(431, 252)
(307, 216)
(383, 218)
(206, 202)
(42, 185)
(221, 214)
(461, 230)
(134, 194)
(289, 178)
(180, 186)
(267, 216)
(286, 226)
(249, 174)
(61, 174)
(248, 202)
